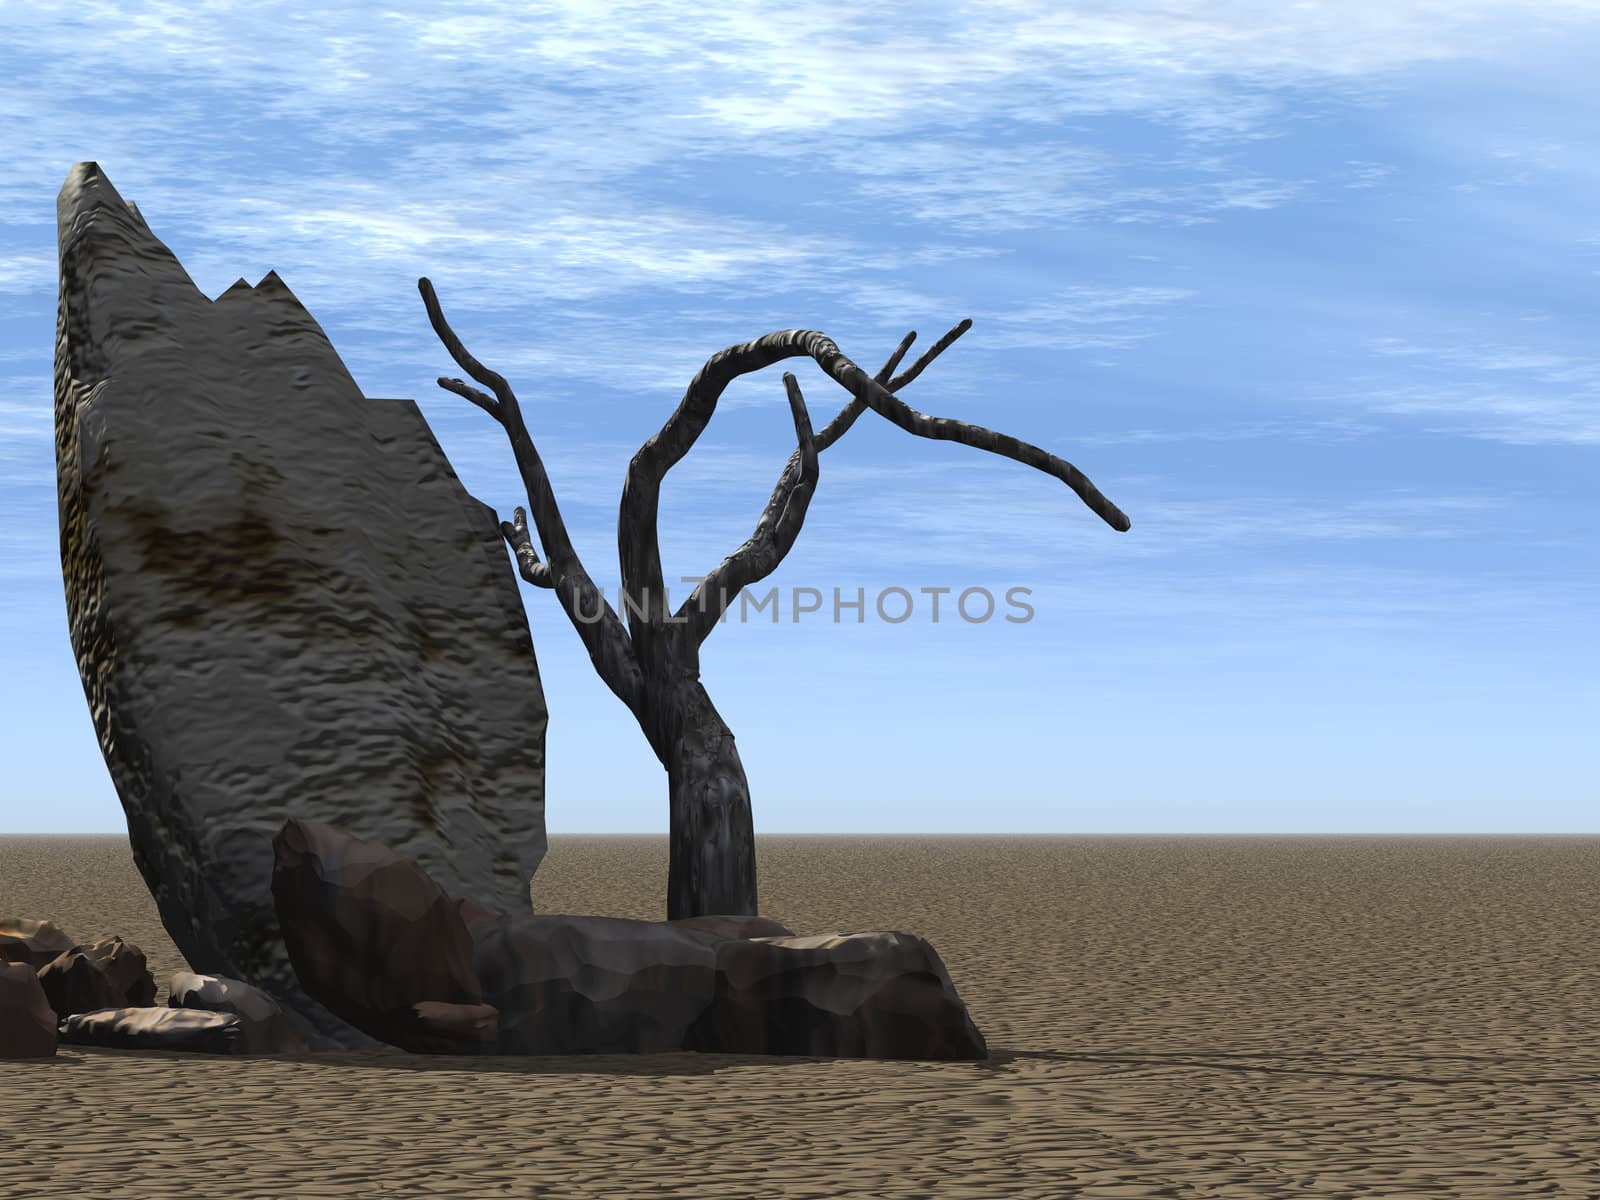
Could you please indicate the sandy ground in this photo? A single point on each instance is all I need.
(1281, 1018)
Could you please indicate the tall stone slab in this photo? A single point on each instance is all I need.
(282, 602)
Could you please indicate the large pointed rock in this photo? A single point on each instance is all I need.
(281, 599)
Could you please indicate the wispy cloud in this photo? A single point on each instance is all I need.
(1517, 418)
(1323, 430)
(1500, 393)
(1083, 318)
(1361, 175)
(30, 271)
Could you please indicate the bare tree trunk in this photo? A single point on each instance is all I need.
(712, 839)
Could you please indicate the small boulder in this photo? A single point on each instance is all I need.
(109, 973)
(371, 935)
(145, 1028)
(31, 942)
(27, 1022)
(264, 1025)
(859, 995)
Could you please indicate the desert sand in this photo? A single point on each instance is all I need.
(1189, 1017)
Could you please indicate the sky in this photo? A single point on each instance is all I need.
(1307, 289)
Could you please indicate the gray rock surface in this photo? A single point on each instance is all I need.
(264, 1026)
(154, 1029)
(32, 942)
(27, 1022)
(281, 599)
(108, 973)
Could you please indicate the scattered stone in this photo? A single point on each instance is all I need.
(144, 1028)
(313, 617)
(109, 973)
(264, 1026)
(27, 1022)
(31, 942)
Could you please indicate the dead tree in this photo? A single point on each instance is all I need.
(653, 663)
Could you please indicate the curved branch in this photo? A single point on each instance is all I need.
(460, 388)
(711, 597)
(832, 360)
(638, 540)
(840, 425)
(774, 535)
(608, 644)
(758, 558)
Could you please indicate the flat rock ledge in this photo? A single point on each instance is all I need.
(374, 939)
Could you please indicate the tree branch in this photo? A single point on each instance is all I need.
(774, 535)
(761, 554)
(603, 636)
(516, 533)
(832, 360)
(487, 403)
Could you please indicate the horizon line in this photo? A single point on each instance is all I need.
(993, 833)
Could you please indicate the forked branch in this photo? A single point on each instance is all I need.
(623, 657)
(755, 559)
(766, 547)
(607, 642)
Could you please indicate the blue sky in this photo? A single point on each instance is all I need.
(1309, 290)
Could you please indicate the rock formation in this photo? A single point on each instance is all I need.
(379, 942)
(282, 602)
